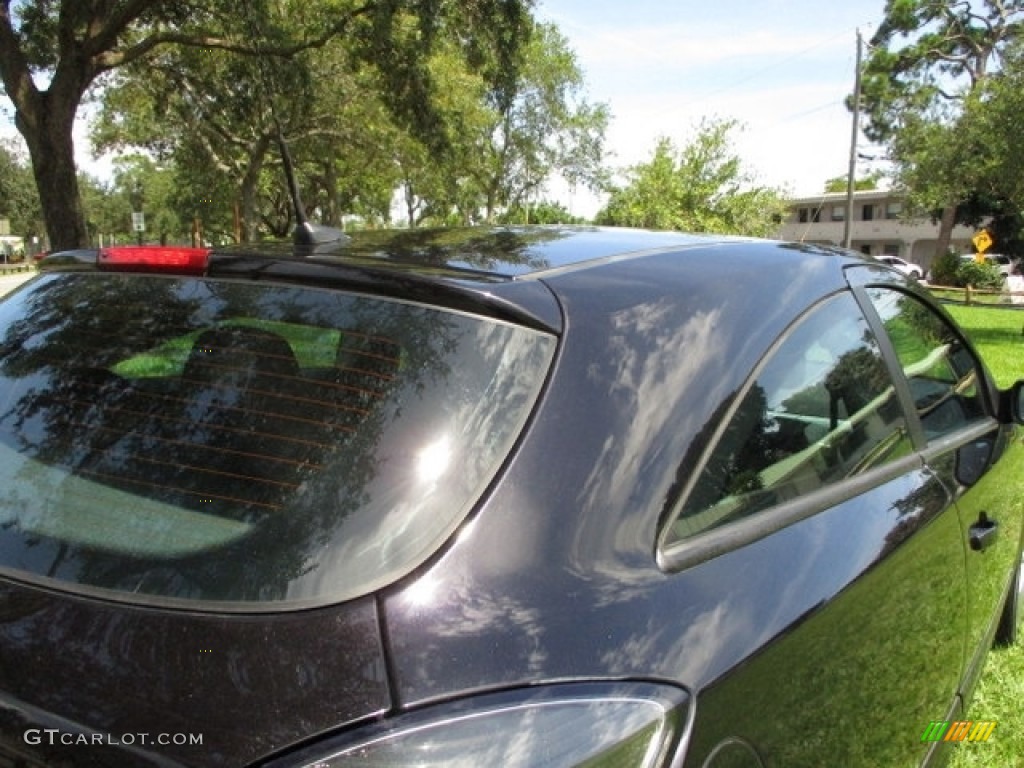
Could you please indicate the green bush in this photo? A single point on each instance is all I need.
(982, 275)
(944, 270)
(958, 272)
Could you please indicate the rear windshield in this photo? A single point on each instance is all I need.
(251, 444)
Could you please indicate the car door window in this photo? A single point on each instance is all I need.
(942, 373)
(821, 409)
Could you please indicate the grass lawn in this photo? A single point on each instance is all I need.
(999, 336)
(999, 696)
(997, 333)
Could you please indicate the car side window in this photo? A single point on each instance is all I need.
(821, 409)
(942, 373)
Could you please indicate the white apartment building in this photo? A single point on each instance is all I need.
(879, 226)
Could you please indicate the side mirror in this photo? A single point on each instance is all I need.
(972, 460)
(1011, 404)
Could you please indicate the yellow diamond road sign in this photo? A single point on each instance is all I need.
(982, 241)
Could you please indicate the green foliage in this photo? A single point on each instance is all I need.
(107, 212)
(469, 106)
(179, 51)
(990, 144)
(543, 212)
(925, 92)
(700, 188)
(69, 45)
(841, 183)
(979, 275)
(210, 114)
(489, 137)
(1000, 215)
(945, 270)
(507, 137)
(955, 271)
(928, 55)
(19, 201)
(941, 162)
(159, 188)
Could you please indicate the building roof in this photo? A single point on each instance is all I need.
(839, 197)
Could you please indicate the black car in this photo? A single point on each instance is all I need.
(514, 497)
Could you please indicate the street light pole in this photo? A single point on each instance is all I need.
(851, 176)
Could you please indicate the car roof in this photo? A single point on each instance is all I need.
(508, 272)
(494, 260)
(495, 253)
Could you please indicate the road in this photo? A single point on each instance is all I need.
(10, 281)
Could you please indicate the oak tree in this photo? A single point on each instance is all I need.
(70, 45)
(927, 62)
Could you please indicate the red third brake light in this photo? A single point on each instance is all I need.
(155, 258)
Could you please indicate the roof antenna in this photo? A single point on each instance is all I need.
(308, 238)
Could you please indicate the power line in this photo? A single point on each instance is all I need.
(777, 64)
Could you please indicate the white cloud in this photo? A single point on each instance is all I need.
(781, 68)
(680, 45)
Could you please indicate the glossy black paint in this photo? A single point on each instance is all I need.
(247, 685)
(843, 587)
(491, 255)
(843, 633)
(581, 507)
(525, 303)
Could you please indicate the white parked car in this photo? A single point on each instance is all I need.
(915, 271)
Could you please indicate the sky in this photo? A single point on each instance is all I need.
(781, 68)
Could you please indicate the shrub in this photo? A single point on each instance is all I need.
(956, 271)
(944, 269)
(983, 275)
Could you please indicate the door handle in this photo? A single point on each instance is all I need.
(983, 533)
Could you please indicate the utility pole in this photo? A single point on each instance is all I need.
(851, 178)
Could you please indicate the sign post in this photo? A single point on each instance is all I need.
(137, 198)
(138, 225)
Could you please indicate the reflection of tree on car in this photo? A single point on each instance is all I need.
(823, 408)
(940, 370)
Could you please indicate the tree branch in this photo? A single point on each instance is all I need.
(206, 123)
(111, 59)
(114, 23)
(14, 70)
